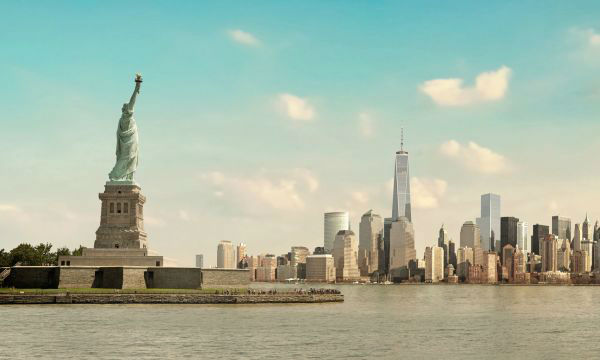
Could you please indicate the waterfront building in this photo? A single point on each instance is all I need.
(539, 234)
(320, 268)
(464, 257)
(508, 231)
(298, 256)
(470, 235)
(596, 257)
(286, 272)
(401, 197)
(402, 244)
(523, 239)
(444, 243)
(268, 268)
(588, 247)
(225, 255)
(489, 222)
(519, 262)
(549, 253)
(577, 238)
(561, 227)
(240, 254)
(345, 256)
(478, 256)
(253, 264)
(370, 233)
(333, 223)
(200, 261)
(384, 247)
(434, 264)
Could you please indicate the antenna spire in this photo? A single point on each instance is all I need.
(401, 139)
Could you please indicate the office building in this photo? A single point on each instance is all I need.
(452, 253)
(401, 197)
(489, 221)
(345, 256)
(434, 264)
(320, 268)
(470, 235)
(464, 257)
(523, 240)
(384, 247)
(333, 223)
(402, 244)
(240, 254)
(226, 255)
(563, 258)
(508, 231)
(444, 243)
(561, 227)
(370, 233)
(549, 252)
(538, 235)
(579, 262)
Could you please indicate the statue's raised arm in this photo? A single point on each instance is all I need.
(136, 91)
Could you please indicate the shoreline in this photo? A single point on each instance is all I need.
(166, 298)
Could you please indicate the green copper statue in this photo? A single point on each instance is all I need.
(127, 141)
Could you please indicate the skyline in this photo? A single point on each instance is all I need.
(248, 136)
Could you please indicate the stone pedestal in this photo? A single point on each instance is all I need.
(121, 217)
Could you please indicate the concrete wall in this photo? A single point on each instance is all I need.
(111, 261)
(215, 278)
(174, 278)
(122, 277)
(77, 277)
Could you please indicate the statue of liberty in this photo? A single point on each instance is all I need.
(127, 141)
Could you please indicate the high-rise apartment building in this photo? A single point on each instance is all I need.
(402, 244)
(434, 264)
(370, 233)
(561, 227)
(225, 255)
(333, 223)
(489, 221)
(470, 235)
(538, 235)
(549, 252)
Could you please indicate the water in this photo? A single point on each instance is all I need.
(385, 322)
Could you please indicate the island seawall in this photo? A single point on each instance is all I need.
(66, 298)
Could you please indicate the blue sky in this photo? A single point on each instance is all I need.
(256, 118)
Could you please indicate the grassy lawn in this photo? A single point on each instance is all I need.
(11, 291)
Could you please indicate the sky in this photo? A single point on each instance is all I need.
(256, 118)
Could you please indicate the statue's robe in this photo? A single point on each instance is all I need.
(127, 149)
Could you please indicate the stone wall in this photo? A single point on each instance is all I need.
(33, 277)
(174, 278)
(216, 278)
(77, 277)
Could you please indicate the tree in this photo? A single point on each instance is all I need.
(45, 256)
(24, 254)
(4, 258)
(78, 252)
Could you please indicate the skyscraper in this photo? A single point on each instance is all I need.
(333, 223)
(489, 222)
(549, 253)
(588, 233)
(200, 261)
(561, 227)
(434, 264)
(539, 233)
(345, 255)
(370, 231)
(402, 243)
(225, 255)
(401, 199)
(470, 235)
(522, 238)
(508, 231)
(444, 243)
(240, 253)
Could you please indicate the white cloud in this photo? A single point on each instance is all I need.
(360, 197)
(243, 37)
(9, 208)
(13, 211)
(426, 193)
(475, 157)
(589, 36)
(183, 215)
(366, 125)
(296, 107)
(489, 86)
(262, 192)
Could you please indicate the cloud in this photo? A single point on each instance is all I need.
(366, 125)
(183, 215)
(426, 193)
(296, 107)
(360, 197)
(243, 37)
(14, 212)
(475, 157)
(259, 193)
(589, 36)
(489, 86)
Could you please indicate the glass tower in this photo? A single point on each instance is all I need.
(333, 223)
(489, 222)
(401, 200)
